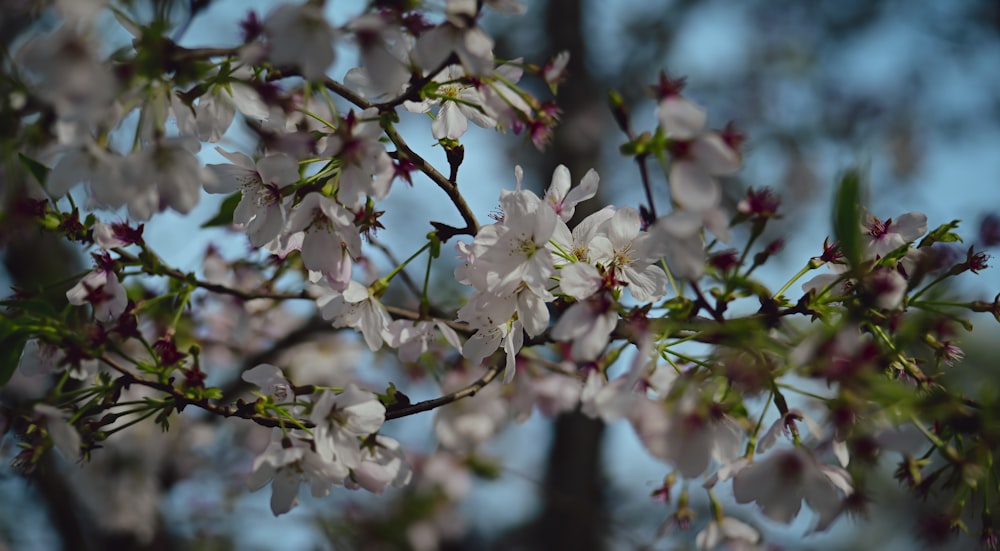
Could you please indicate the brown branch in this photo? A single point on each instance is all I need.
(450, 188)
(180, 400)
(208, 286)
(395, 412)
(404, 151)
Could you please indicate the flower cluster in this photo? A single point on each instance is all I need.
(624, 313)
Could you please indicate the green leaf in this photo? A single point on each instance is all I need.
(37, 169)
(226, 209)
(943, 234)
(12, 340)
(30, 306)
(847, 217)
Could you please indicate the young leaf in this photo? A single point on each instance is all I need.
(37, 169)
(226, 209)
(847, 217)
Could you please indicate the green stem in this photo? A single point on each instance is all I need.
(920, 293)
(384, 280)
(805, 270)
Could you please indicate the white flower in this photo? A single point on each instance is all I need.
(485, 342)
(87, 163)
(342, 421)
(367, 168)
(631, 255)
(41, 358)
(102, 290)
(270, 380)
(384, 56)
(300, 36)
(785, 478)
(687, 435)
(606, 400)
(458, 35)
(888, 286)
(588, 323)
(724, 530)
(66, 69)
(697, 154)
(680, 241)
(64, 436)
(412, 338)
(460, 102)
(519, 254)
(577, 243)
(383, 464)
(330, 238)
(356, 307)
(261, 208)
(563, 199)
(286, 463)
(165, 174)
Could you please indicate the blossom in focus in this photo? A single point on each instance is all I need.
(327, 229)
(631, 254)
(459, 101)
(261, 208)
(563, 199)
(358, 308)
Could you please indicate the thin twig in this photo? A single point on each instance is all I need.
(427, 405)
(180, 400)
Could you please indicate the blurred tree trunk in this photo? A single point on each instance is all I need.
(574, 512)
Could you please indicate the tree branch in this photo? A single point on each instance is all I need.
(395, 412)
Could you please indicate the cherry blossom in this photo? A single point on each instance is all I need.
(326, 228)
(300, 36)
(262, 207)
(562, 198)
(687, 434)
(723, 530)
(367, 168)
(357, 307)
(698, 155)
(64, 436)
(412, 339)
(631, 254)
(286, 463)
(459, 103)
(102, 290)
(383, 464)
(780, 483)
(270, 380)
(459, 35)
